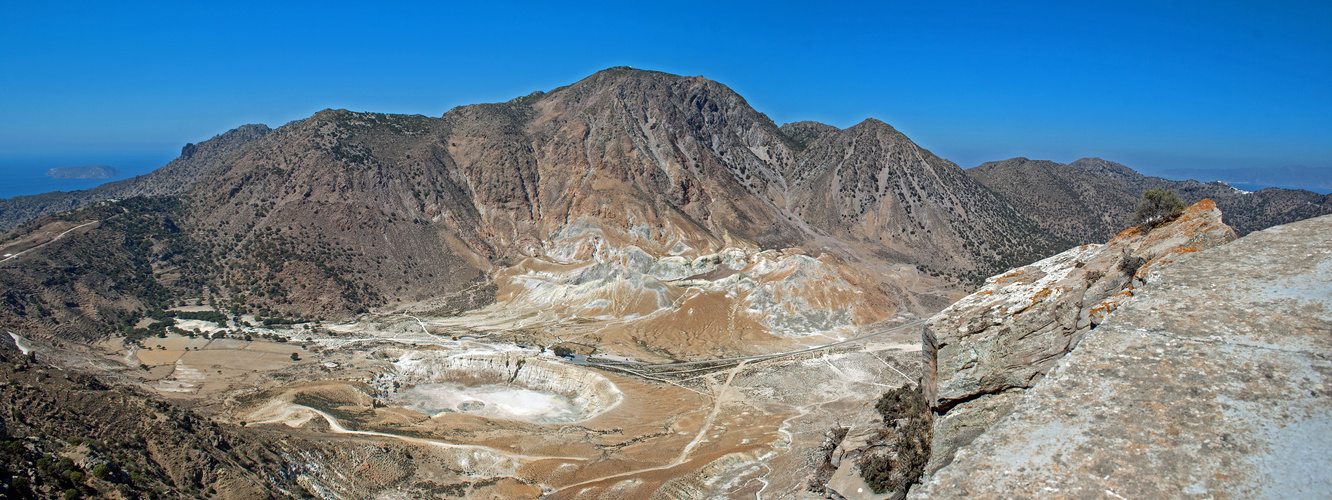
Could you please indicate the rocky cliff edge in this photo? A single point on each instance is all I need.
(1213, 382)
(984, 350)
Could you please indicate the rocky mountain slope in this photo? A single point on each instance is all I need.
(1091, 199)
(986, 349)
(62, 430)
(1211, 382)
(1081, 206)
(627, 176)
(177, 177)
(870, 183)
(94, 271)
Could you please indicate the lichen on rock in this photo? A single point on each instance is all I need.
(1211, 382)
(1010, 333)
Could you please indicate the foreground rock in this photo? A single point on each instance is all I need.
(1212, 382)
(986, 348)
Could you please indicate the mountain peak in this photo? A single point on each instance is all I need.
(1105, 168)
(620, 74)
(874, 123)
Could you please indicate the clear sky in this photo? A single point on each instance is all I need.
(1155, 85)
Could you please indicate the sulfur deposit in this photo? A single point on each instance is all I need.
(506, 385)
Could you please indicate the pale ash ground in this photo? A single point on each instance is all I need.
(483, 406)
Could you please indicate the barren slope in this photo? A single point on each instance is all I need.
(870, 183)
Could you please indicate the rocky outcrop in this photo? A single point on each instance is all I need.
(986, 348)
(1213, 382)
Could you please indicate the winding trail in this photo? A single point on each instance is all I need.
(718, 398)
(52, 240)
(339, 429)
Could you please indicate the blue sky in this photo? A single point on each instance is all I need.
(1154, 85)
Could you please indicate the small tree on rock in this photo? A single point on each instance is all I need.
(1158, 206)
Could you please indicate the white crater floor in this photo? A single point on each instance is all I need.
(490, 400)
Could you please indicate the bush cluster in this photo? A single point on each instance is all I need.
(908, 429)
(1158, 206)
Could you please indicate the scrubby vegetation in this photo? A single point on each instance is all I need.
(824, 457)
(905, 441)
(68, 435)
(1158, 206)
(135, 260)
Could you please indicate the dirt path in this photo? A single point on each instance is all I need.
(763, 357)
(52, 240)
(719, 398)
(337, 427)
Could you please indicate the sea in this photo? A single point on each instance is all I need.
(1244, 186)
(22, 175)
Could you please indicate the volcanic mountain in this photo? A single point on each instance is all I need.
(663, 182)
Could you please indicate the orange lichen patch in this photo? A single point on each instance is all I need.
(1019, 275)
(1126, 234)
(1040, 295)
(1198, 221)
(1098, 312)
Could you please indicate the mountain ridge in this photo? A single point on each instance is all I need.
(1091, 199)
(344, 212)
(174, 178)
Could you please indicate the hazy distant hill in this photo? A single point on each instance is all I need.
(1091, 199)
(175, 178)
(1289, 177)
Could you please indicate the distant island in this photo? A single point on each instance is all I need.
(83, 172)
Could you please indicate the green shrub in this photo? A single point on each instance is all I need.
(909, 428)
(1158, 206)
